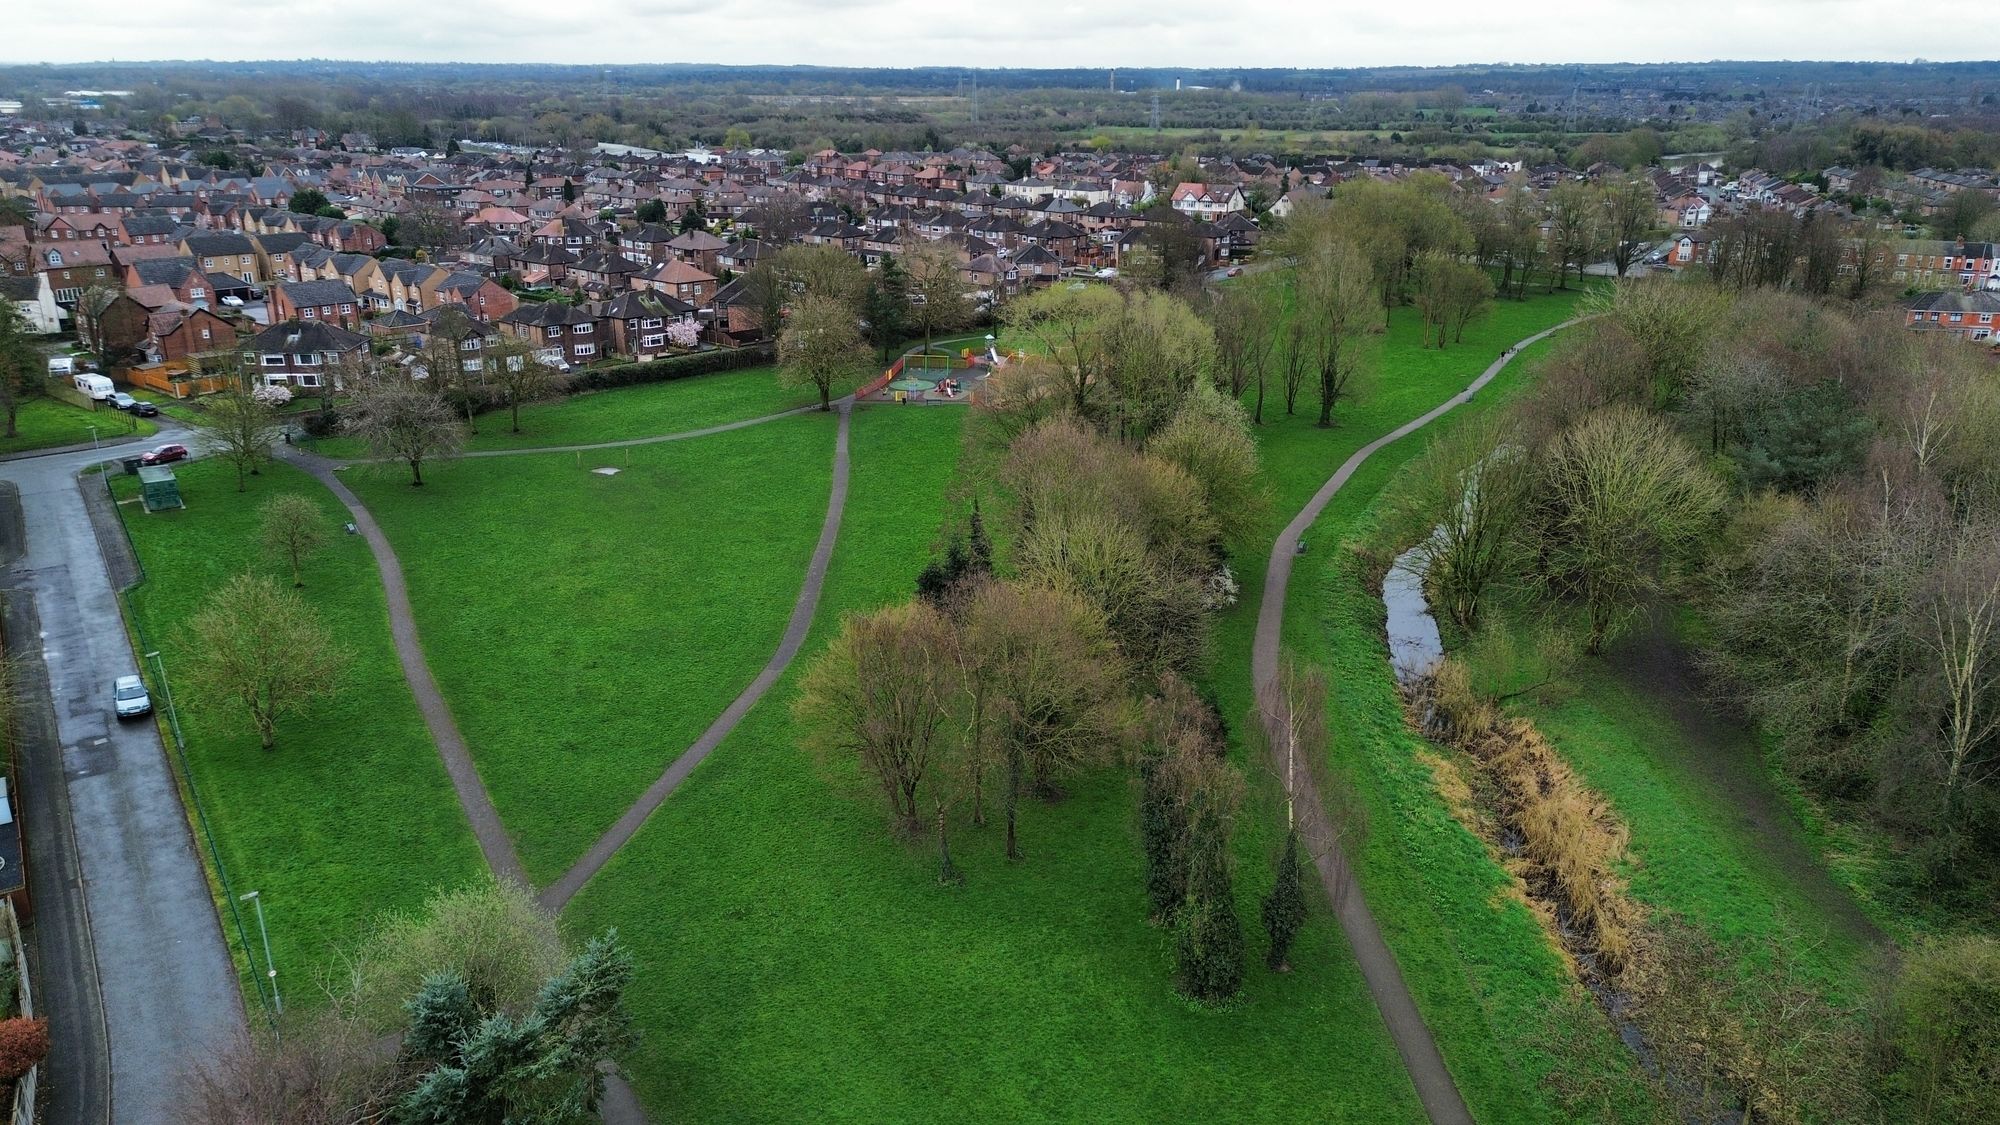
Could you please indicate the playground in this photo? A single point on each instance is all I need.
(938, 376)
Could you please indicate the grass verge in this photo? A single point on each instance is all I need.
(351, 814)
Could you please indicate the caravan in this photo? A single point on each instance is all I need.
(94, 385)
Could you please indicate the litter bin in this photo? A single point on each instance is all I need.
(131, 466)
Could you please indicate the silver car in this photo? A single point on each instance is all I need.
(129, 698)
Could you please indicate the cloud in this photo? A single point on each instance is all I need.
(1023, 33)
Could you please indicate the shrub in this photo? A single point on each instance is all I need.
(23, 1043)
(671, 368)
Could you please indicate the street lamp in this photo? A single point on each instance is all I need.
(256, 899)
(93, 436)
(173, 713)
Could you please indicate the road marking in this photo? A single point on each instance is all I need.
(100, 742)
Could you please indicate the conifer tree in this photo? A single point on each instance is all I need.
(1285, 906)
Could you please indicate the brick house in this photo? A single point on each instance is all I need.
(635, 323)
(301, 354)
(329, 302)
(224, 253)
(1974, 315)
(178, 333)
(73, 267)
(681, 280)
(562, 335)
(114, 325)
(1207, 201)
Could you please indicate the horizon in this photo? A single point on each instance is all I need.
(1033, 35)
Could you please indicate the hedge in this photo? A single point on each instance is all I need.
(671, 368)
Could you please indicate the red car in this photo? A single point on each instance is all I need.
(164, 454)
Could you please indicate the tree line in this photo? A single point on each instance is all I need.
(1820, 485)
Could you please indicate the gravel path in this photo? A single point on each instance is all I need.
(1433, 1081)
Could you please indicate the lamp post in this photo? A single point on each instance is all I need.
(93, 437)
(173, 714)
(256, 899)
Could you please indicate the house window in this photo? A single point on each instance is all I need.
(308, 380)
(306, 313)
(308, 359)
(555, 332)
(274, 361)
(204, 333)
(208, 263)
(197, 293)
(581, 329)
(470, 366)
(586, 349)
(469, 344)
(653, 322)
(657, 339)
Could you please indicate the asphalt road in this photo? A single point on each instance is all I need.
(143, 933)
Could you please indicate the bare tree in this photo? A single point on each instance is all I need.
(293, 529)
(1052, 677)
(1622, 497)
(821, 345)
(265, 647)
(1463, 500)
(400, 421)
(1244, 319)
(522, 377)
(936, 289)
(238, 426)
(1959, 631)
(883, 694)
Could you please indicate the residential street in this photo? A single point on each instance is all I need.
(142, 935)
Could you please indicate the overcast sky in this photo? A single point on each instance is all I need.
(1283, 33)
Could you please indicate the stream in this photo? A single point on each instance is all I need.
(1415, 648)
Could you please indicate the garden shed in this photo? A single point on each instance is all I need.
(158, 489)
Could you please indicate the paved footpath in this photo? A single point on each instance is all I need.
(143, 938)
(1428, 1073)
(620, 1105)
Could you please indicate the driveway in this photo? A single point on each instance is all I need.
(143, 934)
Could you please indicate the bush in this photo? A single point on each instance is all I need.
(1947, 1022)
(671, 368)
(23, 1043)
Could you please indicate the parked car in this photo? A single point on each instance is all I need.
(129, 698)
(164, 454)
(145, 409)
(233, 301)
(122, 401)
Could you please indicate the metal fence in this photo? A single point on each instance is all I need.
(24, 1087)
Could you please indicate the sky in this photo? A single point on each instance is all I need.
(1013, 33)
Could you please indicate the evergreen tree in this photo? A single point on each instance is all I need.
(568, 191)
(1211, 947)
(979, 546)
(1285, 906)
(441, 1015)
(1162, 832)
(1209, 953)
(941, 576)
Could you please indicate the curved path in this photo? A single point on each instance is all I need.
(559, 892)
(1428, 1073)
(841, 403)
(620, 1105)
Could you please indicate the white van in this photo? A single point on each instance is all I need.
(62, 365)
(96, 386)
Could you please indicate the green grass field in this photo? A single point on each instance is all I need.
(627, 412)
(587, 628)
(44, 423)
(351, 813)
(797, 963)
(1476, 962)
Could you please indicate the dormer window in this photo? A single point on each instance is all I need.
(55, 257)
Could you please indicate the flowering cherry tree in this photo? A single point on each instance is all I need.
(683, 333)
(272, 396)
